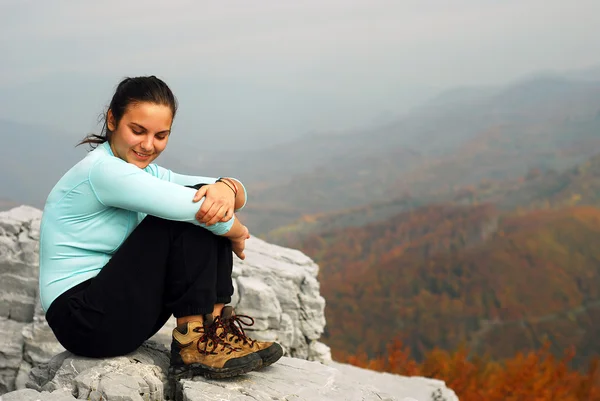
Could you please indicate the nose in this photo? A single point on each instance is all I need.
(148, 143)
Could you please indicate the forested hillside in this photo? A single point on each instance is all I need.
(446, 275)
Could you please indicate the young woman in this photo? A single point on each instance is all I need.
(125, 244)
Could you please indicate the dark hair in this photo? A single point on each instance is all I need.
(132, 91)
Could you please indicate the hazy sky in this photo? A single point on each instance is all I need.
(258, 69)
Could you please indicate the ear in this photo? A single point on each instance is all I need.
(110, 121)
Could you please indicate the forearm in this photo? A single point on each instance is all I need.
(237, 230)
(125, 186)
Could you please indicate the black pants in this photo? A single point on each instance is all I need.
(163, 268)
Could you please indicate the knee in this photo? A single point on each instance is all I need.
(178, 228)
(158, 223)
(203, 235)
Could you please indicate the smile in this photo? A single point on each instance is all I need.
(141, 155)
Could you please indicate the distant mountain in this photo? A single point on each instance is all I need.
(319, 223)
(592, 74)
(460, 97)
(538, 188)
(543, 123)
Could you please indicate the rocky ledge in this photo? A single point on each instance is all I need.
(141, 376)
(275, 285)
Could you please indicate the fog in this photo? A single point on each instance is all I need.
(250, 74)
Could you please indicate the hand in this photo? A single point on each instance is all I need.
(238, 247)
(239, 244)
(218, 204)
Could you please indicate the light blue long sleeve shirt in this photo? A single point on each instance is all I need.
(96, 205)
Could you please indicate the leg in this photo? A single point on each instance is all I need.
(233, 332)
(163, 267)
(224, 285)
(197, 337)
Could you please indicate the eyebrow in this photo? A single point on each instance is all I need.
(168, 131)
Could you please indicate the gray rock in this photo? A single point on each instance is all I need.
(40, 342)
(138, 376)
(288, 379)
(419, 388)
(22, 375)
(32, 395)
(291, 326)
(287, 333)
(286, 291)
(141, 375)
(20, 215)
(19, 232)
(18, 289)
(283, 282)
(259, 301)
(312, 307)
(19, 235)
(11, 352)
(317, 351)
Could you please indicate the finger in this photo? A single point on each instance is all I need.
(200, 193)
(200, 215)
(228, 215)
(206, 206)
(211, 213)
(240, 254)
(217, 216)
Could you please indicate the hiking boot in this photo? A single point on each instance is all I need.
(196, 349)
(234, 334)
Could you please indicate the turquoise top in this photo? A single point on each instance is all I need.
(96, 205)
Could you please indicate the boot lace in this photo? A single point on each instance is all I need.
(233, 326)
(212, 343)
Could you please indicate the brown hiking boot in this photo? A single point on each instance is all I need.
(234, 334)
(196, 349)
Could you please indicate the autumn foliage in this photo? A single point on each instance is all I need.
(533, 376)
(445, 275)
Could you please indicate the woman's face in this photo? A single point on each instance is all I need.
(142, 133)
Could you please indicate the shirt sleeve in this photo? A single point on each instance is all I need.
(182, 179)
(120, 184)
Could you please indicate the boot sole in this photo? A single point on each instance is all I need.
(198, 369)
(272, 358)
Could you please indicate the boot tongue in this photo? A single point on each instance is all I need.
(227, 312)
(208, 320)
